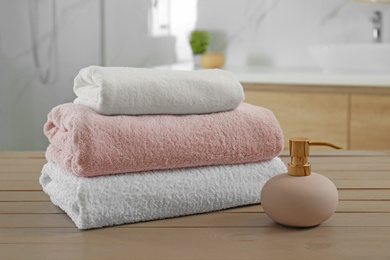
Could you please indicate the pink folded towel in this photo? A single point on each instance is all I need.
(86, 143)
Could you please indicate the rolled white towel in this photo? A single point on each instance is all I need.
(127, 198)
(136, 91)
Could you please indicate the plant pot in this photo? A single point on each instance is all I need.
(197, 58)
(212, 60)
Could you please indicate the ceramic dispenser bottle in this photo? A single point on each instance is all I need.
(300, 198)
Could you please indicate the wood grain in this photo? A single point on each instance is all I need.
(196, 243)
(214, 219)
(24, 154)
(31, 227)
(26, 196)
(370, 122)
(364, 111)
(288, 88)
(319, 117)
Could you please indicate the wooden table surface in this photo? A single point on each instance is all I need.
(31, 227)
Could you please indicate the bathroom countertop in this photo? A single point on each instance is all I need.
(31, 227)
(296, 76)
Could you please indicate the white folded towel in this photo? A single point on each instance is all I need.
(127, 198)
(133, 91)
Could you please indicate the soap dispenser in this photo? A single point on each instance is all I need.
(300, 198)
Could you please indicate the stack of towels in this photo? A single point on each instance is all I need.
(144, 144)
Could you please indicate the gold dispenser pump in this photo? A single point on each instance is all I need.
(299, 152)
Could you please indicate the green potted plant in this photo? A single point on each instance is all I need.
(199, 43)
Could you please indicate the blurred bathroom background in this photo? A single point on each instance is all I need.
(44, 43)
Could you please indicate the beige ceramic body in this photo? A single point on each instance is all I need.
(299, 201)
(212, 60)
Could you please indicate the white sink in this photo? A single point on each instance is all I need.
(354, 57)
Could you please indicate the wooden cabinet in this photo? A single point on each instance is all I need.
(370, 122)
(352, 117)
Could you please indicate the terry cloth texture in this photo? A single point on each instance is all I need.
(86, 143)
(127, 198)
(136, 91)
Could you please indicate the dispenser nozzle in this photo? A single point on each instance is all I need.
(299, 151)
(324, 144)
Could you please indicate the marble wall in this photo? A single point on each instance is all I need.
(278, 32)
(127, 38)
(44, 43)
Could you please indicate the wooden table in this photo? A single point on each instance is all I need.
(31, 227)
